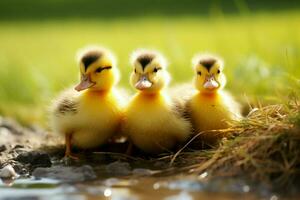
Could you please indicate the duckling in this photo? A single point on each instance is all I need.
(210, 107)
(89, 116)
(151, 122)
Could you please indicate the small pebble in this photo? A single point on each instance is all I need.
(119, 168)
(18, 146)
(142, 172)
(35, 158)
(66, 174)
(2, 148)
(8, 172)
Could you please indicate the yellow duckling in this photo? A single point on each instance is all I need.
(89, 117)
(210, 108)
(151, 122)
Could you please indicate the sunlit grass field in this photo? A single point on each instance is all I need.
(37, 59)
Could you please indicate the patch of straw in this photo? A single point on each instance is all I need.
(264, 147)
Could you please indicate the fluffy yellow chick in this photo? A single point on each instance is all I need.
(210, 107)
(89, 116)
(151, 122)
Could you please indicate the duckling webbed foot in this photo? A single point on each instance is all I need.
(71, 155)
(68, 152)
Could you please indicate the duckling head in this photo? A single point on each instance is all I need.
(98, 69)
(149, 71)
(209, 73)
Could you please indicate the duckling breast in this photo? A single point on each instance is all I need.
(211, 113)
(153, 127)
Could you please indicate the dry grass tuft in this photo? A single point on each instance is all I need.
(265, 146)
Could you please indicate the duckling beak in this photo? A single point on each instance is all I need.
(210, 83)
(143, 83)
(85, 83)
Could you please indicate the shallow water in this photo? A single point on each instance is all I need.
(126, 188)
(120, 178)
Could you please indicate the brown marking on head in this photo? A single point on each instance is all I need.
(90, 57)
(145, 59)
(208, 62)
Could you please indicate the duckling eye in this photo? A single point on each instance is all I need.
(134, 70)
(219, 71)
(199, 73)
(98, 70)
(156, 70)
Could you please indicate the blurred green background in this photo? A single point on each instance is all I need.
(259, 41)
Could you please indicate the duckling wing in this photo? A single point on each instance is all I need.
(180, 96)
(66, 104)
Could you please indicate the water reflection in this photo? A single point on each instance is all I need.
(180, 196)
(7, 181)
(128, 189)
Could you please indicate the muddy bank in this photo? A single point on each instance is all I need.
(19, 147)
(36, 156)
(33, 151)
